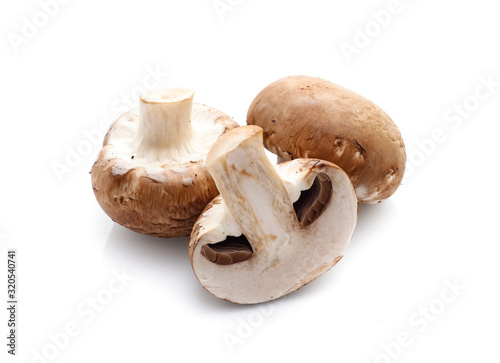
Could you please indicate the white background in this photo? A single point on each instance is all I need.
(441, 227)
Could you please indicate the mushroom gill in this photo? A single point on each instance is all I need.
(231, 250)
(313, 201)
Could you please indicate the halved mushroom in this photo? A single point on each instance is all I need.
(310, 117)
(272, 229)
(150, 175)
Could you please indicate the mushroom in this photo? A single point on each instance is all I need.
(310, 117)
(150, 175)
(272, 229)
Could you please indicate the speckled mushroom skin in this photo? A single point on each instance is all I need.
(134, 199)
(307, 117)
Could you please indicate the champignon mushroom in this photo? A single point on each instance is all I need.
(150, 175)
(272, 230)
(311, 117)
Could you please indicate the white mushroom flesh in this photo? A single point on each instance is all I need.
(257, 201)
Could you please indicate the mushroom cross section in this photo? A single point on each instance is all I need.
(272, 229)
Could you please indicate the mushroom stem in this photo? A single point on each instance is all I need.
(164, 122)
(252, 189)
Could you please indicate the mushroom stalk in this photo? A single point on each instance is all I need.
(150, 175)
(253, 191)
(164, 123)
(272, 230)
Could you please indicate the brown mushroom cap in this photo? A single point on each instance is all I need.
(152, 188)
(307, 117)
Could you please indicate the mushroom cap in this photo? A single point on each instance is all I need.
(292, 251)
(310, 117)
(159, 198)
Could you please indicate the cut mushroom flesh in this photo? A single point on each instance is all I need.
(308, 208)
(273, 229)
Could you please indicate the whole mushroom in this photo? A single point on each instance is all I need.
(310, 117)
(150, 175)
(272, 229)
